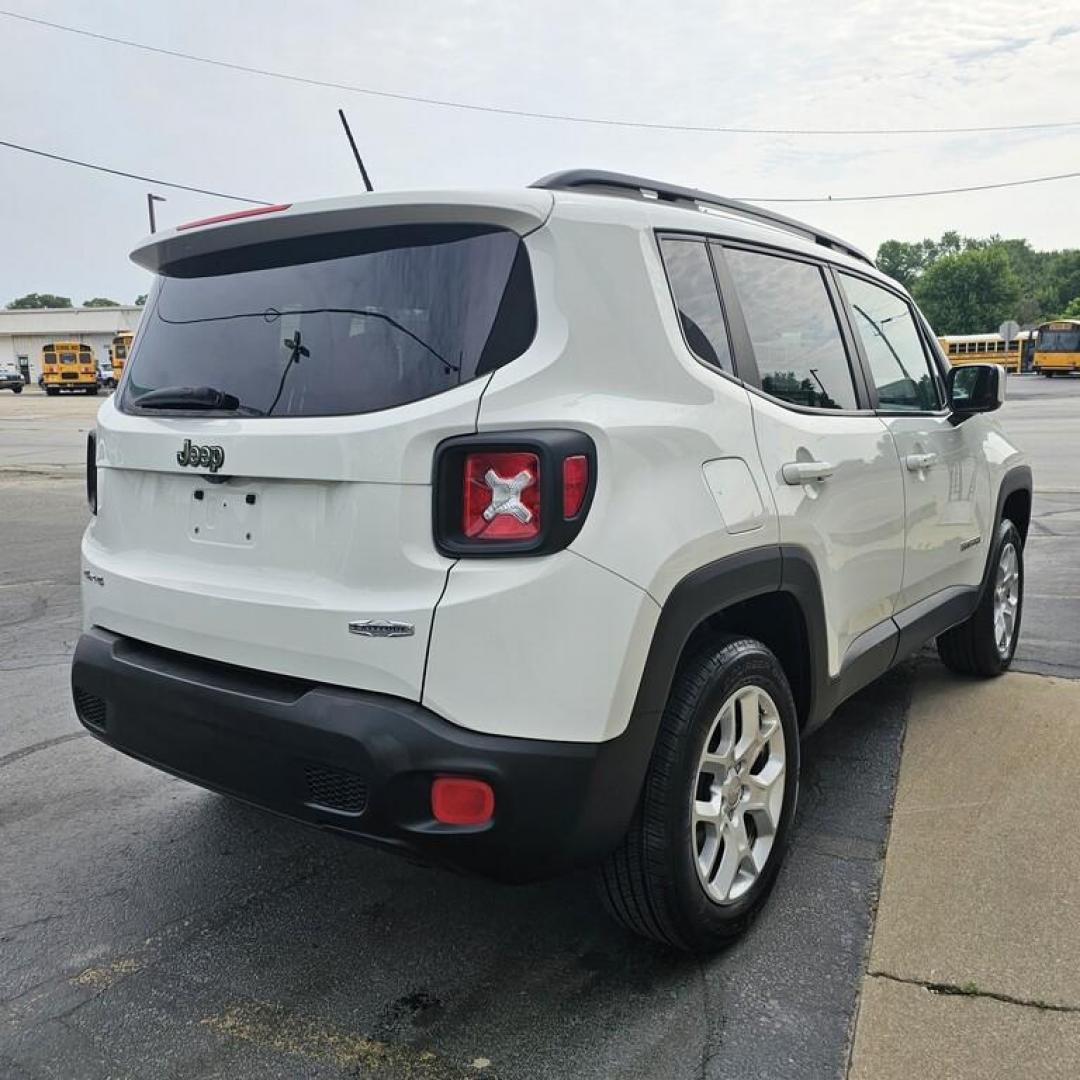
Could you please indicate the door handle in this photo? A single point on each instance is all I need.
(805, 472)
(918, 462)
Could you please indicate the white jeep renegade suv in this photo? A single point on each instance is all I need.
(528, 530)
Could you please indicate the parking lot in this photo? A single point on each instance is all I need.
(151, 929)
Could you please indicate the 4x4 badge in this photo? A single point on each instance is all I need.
(201, 457)
(382, 628)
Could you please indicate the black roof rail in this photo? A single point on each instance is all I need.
(613, 183)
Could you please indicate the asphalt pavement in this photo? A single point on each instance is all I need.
(150, 929)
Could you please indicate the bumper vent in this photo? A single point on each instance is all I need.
(90, 708)
(335, 789)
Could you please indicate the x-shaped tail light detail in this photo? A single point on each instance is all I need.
(506, 495)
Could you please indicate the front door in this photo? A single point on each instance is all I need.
(946, 485)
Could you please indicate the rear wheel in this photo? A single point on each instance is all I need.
(52, 391)
(710, 831)
(92, 391)
(986, 643)
(16, 389)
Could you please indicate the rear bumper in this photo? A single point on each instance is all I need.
(358, 763)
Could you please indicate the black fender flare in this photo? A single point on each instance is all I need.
(1018, 478)
(702, 594)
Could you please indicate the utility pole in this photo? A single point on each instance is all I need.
(150, 200)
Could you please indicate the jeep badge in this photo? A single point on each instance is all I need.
(200, 457)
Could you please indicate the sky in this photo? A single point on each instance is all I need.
(752, 63)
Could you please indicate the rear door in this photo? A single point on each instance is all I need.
(831, 463)
(265, 467)
(946, 480)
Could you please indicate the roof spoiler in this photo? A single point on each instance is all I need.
(520, 211)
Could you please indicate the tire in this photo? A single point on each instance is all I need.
(16, 389)
(974, 647)
(92, 391)
(651, 883)
(52, 391)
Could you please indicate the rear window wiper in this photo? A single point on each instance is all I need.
(189, 397)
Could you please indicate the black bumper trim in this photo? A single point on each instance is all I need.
(256, 736)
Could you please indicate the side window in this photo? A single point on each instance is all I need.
(898, 362)
(697, 301)
(800, 354)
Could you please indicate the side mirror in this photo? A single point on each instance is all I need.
(975, 388)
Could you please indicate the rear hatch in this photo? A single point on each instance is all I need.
(264, 470)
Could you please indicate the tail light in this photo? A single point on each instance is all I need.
(91, 471)
(519, 493)
(501, 496)
(575, 472)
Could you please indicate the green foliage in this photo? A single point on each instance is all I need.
(1071, 309)
(1033, 285)
(140, 300)
(100, 301)
(904, 262)
(973, 288)
(39, 300)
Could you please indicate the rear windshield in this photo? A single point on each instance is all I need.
(347, 323)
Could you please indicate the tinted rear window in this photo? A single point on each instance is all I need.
(349, 323)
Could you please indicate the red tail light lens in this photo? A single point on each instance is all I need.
(575, 481)
(501, 496)
(462, 800)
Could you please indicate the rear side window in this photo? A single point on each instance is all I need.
(348, 323)
(697, 301)
(797, 344)
(893, 347)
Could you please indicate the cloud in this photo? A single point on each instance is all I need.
(1009, 46)
(755, 63)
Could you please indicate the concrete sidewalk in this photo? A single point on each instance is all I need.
(975, 964)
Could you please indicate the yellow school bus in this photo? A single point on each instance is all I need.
(1057, 350)
(68, 366)
(121, 346)
(983, 349)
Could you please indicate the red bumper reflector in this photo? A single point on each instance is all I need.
(461, 800)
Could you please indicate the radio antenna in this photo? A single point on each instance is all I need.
(356, 153)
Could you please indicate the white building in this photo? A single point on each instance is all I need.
(22, 333)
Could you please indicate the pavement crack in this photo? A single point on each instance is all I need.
(971, 990)
(45, 744)
(14, 927)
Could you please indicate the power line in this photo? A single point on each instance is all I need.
(751, 199)
(131, 176)
(526, 113)
(919, 194)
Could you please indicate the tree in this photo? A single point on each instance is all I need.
(100, 301)
(969, 291)
(1072, 309)
(905, 261)
(140, 300)
(1048, 280)
(39, 300)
